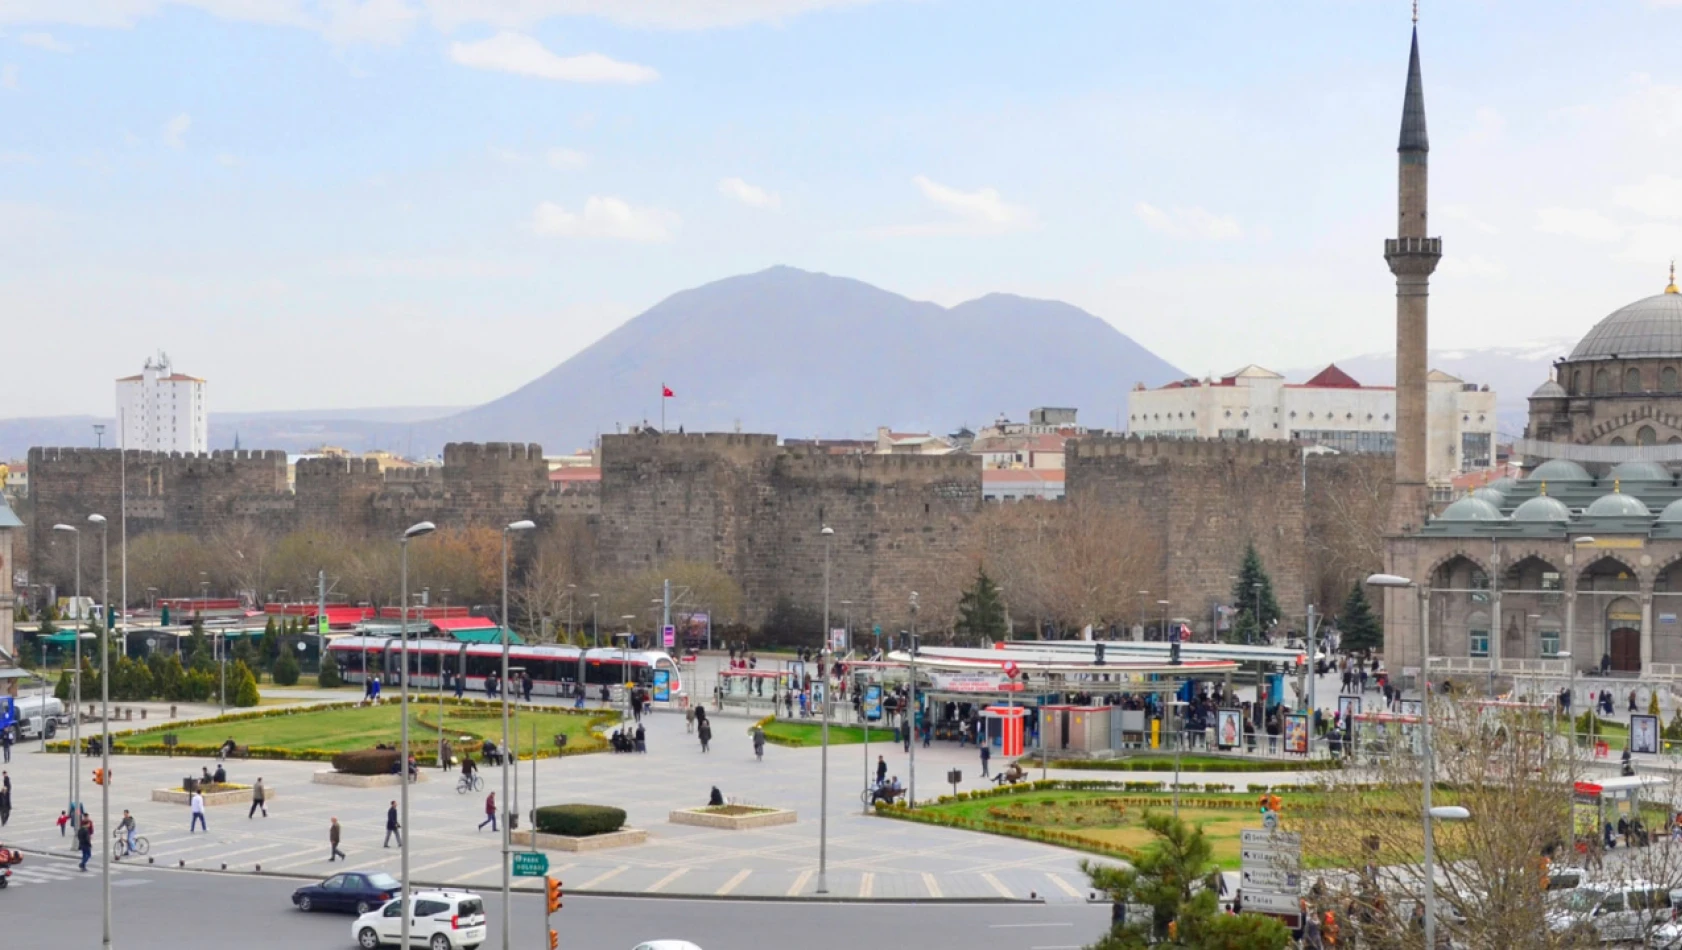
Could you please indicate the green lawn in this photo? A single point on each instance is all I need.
(339, 730)
(807, 734)
(1164, 762)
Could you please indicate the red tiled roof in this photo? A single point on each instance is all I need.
(1333, 378)
(576, 473)
(1004, 475)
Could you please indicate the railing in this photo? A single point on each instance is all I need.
(1538, 448)
(1460, 664)
(1544, 667)
(1414, 245)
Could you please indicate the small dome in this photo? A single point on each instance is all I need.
(1639, 470)
(1672, 512)
(1503, 484)
(1617, 505)
(1543, 508)
(1490, 495)
(1549, 390)
(1558, 470)
(1471, 509)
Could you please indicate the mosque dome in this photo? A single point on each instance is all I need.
(1639, 470)
(1503, 484)
(1617, 505)
(1649, 327)
(1549, 390)
(1558, 470)
(1490, 495)
(1542, 508)
(1471, 509)
(1672, 512)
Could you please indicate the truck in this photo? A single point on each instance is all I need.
(27, 716)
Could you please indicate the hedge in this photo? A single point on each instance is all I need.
(579, 821)
(1166, 764)
(366, 762)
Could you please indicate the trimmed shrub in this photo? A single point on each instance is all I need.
(329, 677)
(367, 762)
(243, 685)
(579, 821)
(286, 669)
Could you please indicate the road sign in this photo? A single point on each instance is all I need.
(1271, 903)
(1270, 840)
(531, 864)
(1262, 858)
(1270, 879)
(1270, 820)
(668, 636)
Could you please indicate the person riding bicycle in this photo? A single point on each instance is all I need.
(467, 767)
(126, 828)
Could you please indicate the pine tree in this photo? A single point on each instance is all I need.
(245, 691)
(981, 609)
(329, 677)
(286, 670)
(1359, 628)
(269, 648)
(1245, 597)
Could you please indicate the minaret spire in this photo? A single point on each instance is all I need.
(1414, 138)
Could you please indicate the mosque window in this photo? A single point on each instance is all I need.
(1228, 414)
(1632, 380)
(1619, 440)
(1646, 436)
(1602, 381)
(1577, 382)
(1667, 379)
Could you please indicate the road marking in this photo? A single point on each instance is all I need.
(129, 882)
(436, 864)
(665, 880)
(799, 884)
(621, 869)
(1012, 926)
(731, 884)
(998, 885)
(1068, 946)
(930, 882)
(1065, 886)
(286, 862)
(867, 884)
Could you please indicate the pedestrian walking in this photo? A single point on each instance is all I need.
(986, 753)
(63, 820)
(490, 812)
(525, 685)
(6, 743)
(392, 827)
(257, 800)
(84, 840)
(706, 734)
(881, 770)
(641, 745)
(689, 719)
(5, 805)
(196, 806)
(461, 685)
(333, 841)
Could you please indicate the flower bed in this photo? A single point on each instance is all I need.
(1201, 763)
(224, 794)
(624, 837)
(733, 817)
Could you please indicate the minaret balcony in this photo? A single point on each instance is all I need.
(1412, 246)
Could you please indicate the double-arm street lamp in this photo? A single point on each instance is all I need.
(416, 530)
(75, 677)
(826, 660)
(507, 884)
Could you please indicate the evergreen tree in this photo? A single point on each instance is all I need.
(286, 670)
(981, 609)
(1177, 879)
(1360, 629)
(329, 677)
(269, 649)
(243, 686)
(48, 627)
(195, 646)
(1245, 598)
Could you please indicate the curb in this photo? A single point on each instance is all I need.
(624, 895)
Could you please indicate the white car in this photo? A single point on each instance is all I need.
(442, 920)
(665, 945)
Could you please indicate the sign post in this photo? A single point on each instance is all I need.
(1271, 869)
(531, 864)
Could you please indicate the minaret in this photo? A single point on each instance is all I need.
(1412, 257)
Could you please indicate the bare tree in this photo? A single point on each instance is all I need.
(557, 572)
(1348, 503)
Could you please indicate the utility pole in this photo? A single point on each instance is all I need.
(911, 711)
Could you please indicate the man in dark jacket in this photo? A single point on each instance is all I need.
(392, 827)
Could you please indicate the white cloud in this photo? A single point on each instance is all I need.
(1465, 216)
(175, 130)
(605, 217)
(566, 159)
(655, 14)
(1656, 195)
(8, 76)
(384, 22)
(44, 41)
(1193, 223)
(750, 195)
(516, 53)
(1578, 223)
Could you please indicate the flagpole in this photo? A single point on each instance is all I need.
(662, 408)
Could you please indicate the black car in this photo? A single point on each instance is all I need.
(352, 892)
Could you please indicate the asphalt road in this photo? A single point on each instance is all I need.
(156, 909)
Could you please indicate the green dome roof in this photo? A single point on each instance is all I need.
(1558, 470)
(1639, 470)
(1490, 495)
(1503, 484)
(1617, 505)
(1672, 512)
(1471, 509)
(1542, 508)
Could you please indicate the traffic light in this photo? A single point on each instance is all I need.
(1098, 649)
(99, 776)
(554, 940)
(1174, 652)
(552, 886)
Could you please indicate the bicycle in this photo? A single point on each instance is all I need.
(469, 783)
(122, 849)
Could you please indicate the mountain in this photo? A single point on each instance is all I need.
(802, 354)
(1513, 372)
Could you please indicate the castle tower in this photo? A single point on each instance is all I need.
(1412, 257)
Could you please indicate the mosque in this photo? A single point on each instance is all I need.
(1578, 564)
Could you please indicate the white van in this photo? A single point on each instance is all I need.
(1621, 911)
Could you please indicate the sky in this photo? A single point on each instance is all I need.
(354, 203)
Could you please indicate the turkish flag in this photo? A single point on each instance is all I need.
(666, 391)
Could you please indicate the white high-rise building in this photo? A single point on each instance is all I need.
(162, 411)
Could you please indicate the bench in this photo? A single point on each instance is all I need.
(238, 752)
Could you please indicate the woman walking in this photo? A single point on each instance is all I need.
(705, 731)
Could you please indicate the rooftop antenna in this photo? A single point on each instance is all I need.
(1415, 12)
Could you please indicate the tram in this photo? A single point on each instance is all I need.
(555, 670)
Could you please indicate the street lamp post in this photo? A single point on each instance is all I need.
(595, 627)
(1257, 588)
(104, 727)
(911, 710)
(1427, 766)
(825, 662)
(75, 677)
(1570, 750)
(507, 884)
(1178, 730)
(414, 531)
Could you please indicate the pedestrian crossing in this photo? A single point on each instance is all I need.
(55, 873)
